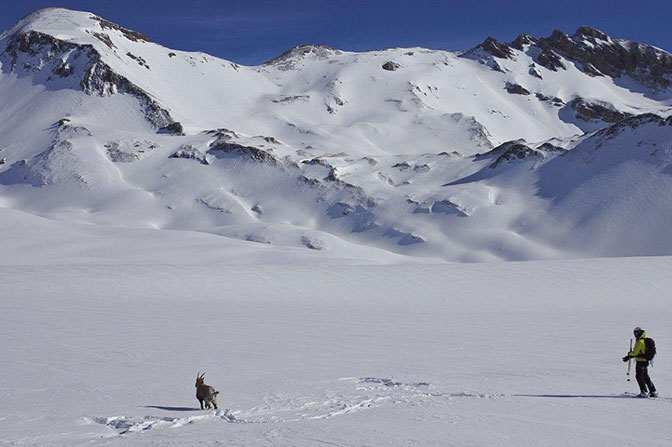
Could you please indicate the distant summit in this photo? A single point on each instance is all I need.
(593, 52)
(305, 50)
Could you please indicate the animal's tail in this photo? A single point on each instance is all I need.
(216, 392)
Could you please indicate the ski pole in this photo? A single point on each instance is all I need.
(629, 361)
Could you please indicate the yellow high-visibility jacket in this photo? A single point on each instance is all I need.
(639, 349)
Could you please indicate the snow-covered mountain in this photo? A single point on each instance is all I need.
(539, 148)
(285, 228)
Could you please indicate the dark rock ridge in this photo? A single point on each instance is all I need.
(101, 80)
(129, 34)
(554, 100)
(446, 206)
(174, 128)
(516, 89)
(34, 53)
(142, 62)
(593, 52)
(599, 55)
(596, 111)
(634, 122)
(497, 49)
(551, 148)
(511, 151)
(490, 46)
(222, 147)
(645, 132)
(494, 50)
(189, 152)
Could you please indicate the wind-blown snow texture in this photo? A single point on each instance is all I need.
(320, 148)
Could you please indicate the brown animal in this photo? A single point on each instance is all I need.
(206, 395)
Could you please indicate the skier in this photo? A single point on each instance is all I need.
(642, 363)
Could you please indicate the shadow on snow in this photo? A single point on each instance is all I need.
(165, 408)
(579, 396)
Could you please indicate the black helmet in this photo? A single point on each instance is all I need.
(638, 331)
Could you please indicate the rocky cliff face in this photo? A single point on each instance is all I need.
(78, 66)
(594, 52)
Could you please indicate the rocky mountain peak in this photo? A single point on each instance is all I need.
(587, 31)
(522, 40)
(592, 51)
(598, 54)
(74, 50)
(67, 27)
(493, 47)
(127, 33)
(287, 59)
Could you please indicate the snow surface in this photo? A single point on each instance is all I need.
(523, 354)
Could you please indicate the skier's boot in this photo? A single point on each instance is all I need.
(642, 394)
(653, 394)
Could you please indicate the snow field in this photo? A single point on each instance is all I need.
(454, 354)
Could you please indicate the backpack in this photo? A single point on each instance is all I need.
(650, 352)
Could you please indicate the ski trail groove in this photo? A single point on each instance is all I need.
(353, 395)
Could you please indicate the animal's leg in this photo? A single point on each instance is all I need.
(201, 402)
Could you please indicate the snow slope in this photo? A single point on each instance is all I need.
(525, 354)
(33, 240)
(402, 150)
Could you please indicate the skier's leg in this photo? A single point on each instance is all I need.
(649, 383)
(641, 376)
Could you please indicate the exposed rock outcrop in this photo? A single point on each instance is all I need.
(596, 111)
(510, 151)
(597, 54)
(288, 59)
(391, 66)
(633, 122)
(174, 128)
(516, 89)
(222, 147)
(189, 152)
(127, 33)
(492, 46)
(488, 52)
(36, 52)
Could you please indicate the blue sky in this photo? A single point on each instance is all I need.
(252, 32)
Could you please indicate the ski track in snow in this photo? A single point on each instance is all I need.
(361, 394)
(137, 424)
(366, 393)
